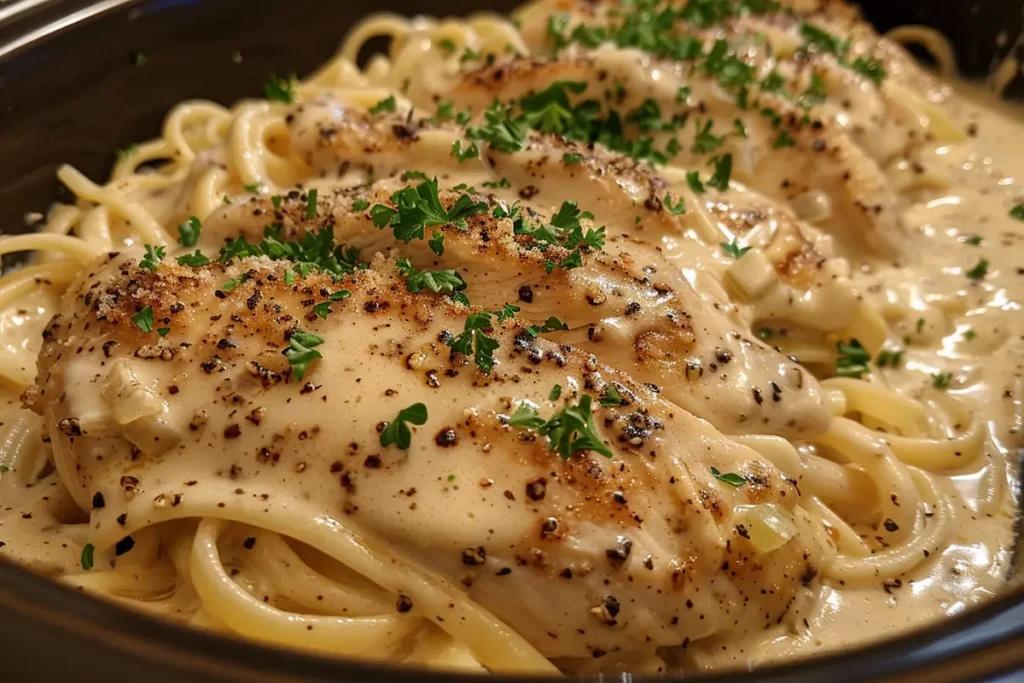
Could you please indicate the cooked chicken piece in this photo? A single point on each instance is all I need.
(626, 197)
(818, 155)
(637, 312)
(200, 413)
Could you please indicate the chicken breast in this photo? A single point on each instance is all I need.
(175, 392)
(623, 301)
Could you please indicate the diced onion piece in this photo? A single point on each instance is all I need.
(769, 526)
(128, 399)
(751, 275)
(813, 206)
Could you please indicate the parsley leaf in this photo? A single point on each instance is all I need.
(323, 309)
(436, 243)
(556, 392)
(571, 158)
(474, 341)
(194, 260)
(611, 397)
(152, 258)
(280, 89)
(852, 359)
(462, 155)
(144, 319)
(733, 249)
(507, 311)
(234, 282)
(311, 203)
(730, 478)
(1017, 212)
(693, 180)
(501, 132)
(88, 552)
(823, 40)
(723, 169)
(385, 105)
(569, 431)
(397, 432)
(552, 324)
(526, 417)
(870, 67)
(941, 380)
(188, 232)
(360, 204)
(418, 208)
(979, 271)
(675, 209)
(300, 352)
(437, 281)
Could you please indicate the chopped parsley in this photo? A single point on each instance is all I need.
(611, 397)
(733, 249)
(360, 204)
(231, 284)
(311, 203)
(852, 359)
(87, 559)
(139, 58)
(474, 342)
(552, 324)
(870, 67)
(152, 258)
(784, 140)
(323, 309)
(507, 312)
(253, 188)
(765, 333)
(675, 209)
(5, 468)
(730, 478)
(1017, 212)
(973, 240)
(501, 184)
(571, 158)
(312, 251)
(970, 334)
(447, 45)
(823, 40)
(436, 243)
(188, 232)
(385, 105)
(723, 169)
(163, 331)
(397, 432)
(500, 131)
(941, 380)
(275, 200)
(446, 112)
(144, 319)
(979, 270)
(462, 155)
(301, 352)
(437, 281)
(891, 358)
(569, 431)
(556, 392)
(193, 260)
(280, 89)
(693, 180)
(419, 207)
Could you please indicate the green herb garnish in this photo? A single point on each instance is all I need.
(733, 249)
(386, 105)
(474, 341)
(730, 478)
(852, 359)
(152, 258)
(397, 432)
(144, 319)
(300, 352)
(979, 271)
(280, 89)
(87, 556)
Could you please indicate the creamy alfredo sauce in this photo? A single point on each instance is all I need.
(980, 340)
